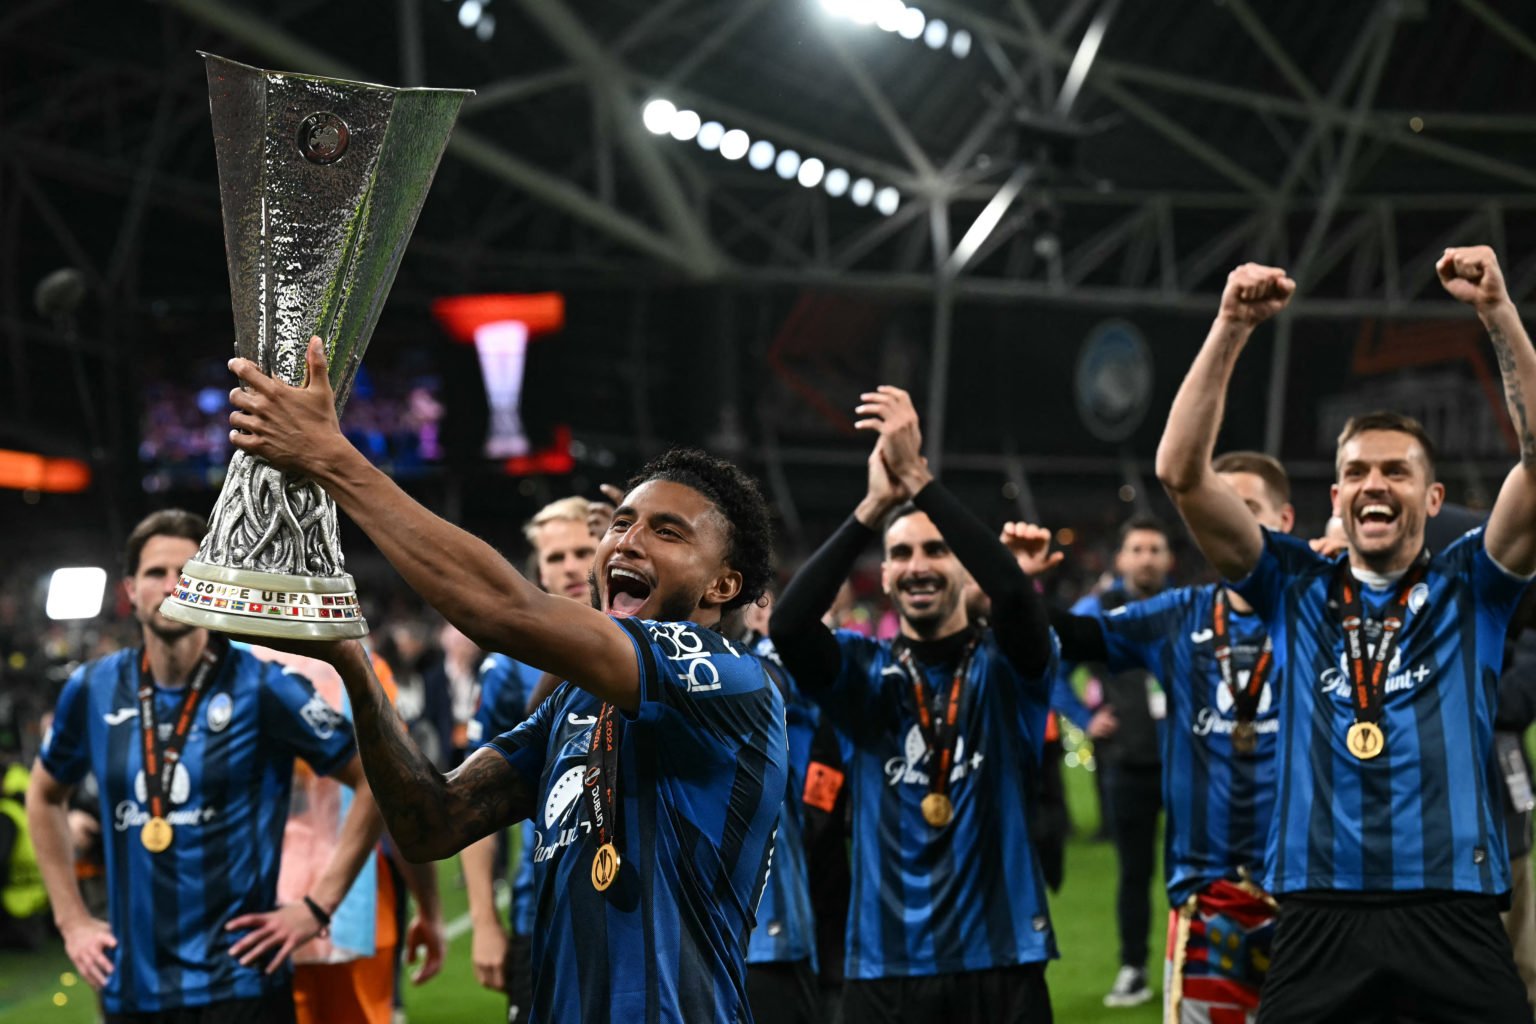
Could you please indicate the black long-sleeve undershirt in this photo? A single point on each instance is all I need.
(1019, 616)
(1081, 636)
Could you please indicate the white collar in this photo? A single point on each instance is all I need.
(1378, 580)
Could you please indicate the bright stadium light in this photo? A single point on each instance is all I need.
(734, 143)
(76, 593)
(485, 27)
(811, 172)
(787, 165)
(936, 34)
(863, 191)
(887, 200)
(685, 125)
(469, 13)
(861, 12)
(760, 156)
(888, 15)
(836, 182)
(912, 23)
(960, 44)
(658, 116)
(711, 134)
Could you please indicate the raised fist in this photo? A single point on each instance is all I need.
(1254, 293)
(1472, 275)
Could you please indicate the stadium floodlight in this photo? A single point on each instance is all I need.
(887, 200)
(811, 172)
(469, 12)
(658, 116)
(889, 14)
(711, 134)
(836, 182)
(787, 165)
(960, 44)
(912, 24)
(863, 191)
(734, 144)
(760, 156)
(685, 125)
(936, 34)
(76, 593)
(861, 12)
(485, 27)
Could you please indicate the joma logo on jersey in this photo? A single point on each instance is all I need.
(685, 649)
(908, 768)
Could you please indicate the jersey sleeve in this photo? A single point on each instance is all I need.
(503, 700)
(1498, 590)
(526, 745)
(297, 718)
(1282, 559)
(1136, 635)
(847, 698)
(66, 751)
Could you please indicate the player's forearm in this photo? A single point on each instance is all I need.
(1517, 364)
(1189, 439)
(407, 788)
(48, 825)
(360, 833)
(479, 861)
(421, 882)
(457, 573)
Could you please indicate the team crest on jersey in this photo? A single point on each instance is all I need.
(909, 768)
(1418, 596)
(220, 710)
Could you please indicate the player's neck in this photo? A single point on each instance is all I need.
(1384, 569)
(171, 661)
(1136, 593)
(1236, 601)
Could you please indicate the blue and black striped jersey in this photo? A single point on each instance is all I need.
(228, 804)
(701, 780)
(505, 688)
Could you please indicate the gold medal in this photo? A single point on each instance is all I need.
(937, 810)
(1245, 737)
(156, 835)
(605, 867)
(1365, 740)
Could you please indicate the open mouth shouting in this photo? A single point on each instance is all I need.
(628, 590)
(1374, 519)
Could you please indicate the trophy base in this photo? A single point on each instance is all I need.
(244, 602)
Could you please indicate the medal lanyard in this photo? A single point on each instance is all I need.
(602, 778)
(1245, 699)
(940, 734)
(160, 762)
(1367, 685)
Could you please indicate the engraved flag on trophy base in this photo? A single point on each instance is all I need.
(321, 181)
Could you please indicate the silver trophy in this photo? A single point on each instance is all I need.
(321, 182)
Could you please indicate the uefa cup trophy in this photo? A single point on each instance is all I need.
(321, 182)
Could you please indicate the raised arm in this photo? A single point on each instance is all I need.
(1018, 613)
(464, 578)
(804, 644)
(1473, 276)
(430, 815)
(1222, 525)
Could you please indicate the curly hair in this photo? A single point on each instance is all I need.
(749, 544)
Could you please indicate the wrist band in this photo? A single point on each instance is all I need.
(320, 915)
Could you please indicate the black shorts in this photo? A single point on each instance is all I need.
(1003, 995)
(784, 993)
(1420, 958)
(276, 1007)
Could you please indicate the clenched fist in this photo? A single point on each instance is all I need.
(1254, 293)
(1472, 275)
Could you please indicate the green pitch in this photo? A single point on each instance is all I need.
(41, 989)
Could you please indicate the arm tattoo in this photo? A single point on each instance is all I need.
(1514, 396)
(430, 815)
